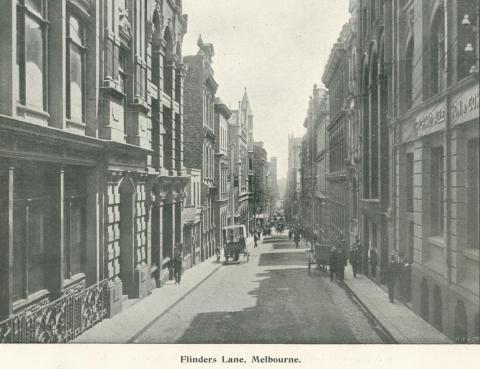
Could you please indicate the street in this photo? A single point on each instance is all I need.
(269, 299)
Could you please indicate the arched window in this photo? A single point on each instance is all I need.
(167, 69)
(437, 53)
(409, 74)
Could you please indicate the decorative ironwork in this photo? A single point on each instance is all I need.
(59, 321)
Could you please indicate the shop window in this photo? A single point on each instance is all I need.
(31, 54)
(437, 53)
(472, 202)
(76, 51)
(75, 223)
(437, 191)
(409, 179)
(34, 223)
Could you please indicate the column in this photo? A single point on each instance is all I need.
(8, 58)
(56, 58)
(94, 220)
(6, 243)
(55, 253)
(157, 241)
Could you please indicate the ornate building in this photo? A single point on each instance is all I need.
(200, 136)
(314, 163)
(91, 175)
(335, 78)
(240, 136)
(292, 197)
(435, 155)
(222, 207)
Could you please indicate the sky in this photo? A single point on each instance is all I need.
(276, 49)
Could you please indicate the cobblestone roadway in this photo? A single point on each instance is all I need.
(270, 299)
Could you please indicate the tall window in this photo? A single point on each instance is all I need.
(473, 204)
(409, 179)
(31, 53)
(122, 73)
(437, 53)
(34, 225)
(75, 222)
(409, 75)
(76, 51)
(437, 191)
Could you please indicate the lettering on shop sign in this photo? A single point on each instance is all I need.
(431, 122)
(465, 109)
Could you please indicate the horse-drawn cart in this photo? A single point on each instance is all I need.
(234, 243)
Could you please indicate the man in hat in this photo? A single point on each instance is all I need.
(177, 262)
(391, 276)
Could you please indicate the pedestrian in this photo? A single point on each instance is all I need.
(255, 239)
(332, 263)
(373, 261)
(355, 258)
(296, 239)
(177, 263)
(341, 262)
(391, 276)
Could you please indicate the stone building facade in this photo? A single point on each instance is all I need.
(335, 79)
(222, 171)
(241, 133)
(200, 136)
(91, 146)
(292, 198)
(435, 135)
(261, 191)
(314, 163)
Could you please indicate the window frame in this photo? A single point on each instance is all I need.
(437, 191)
(82, 49)
(24, 11)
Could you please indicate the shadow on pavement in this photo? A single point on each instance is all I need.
(284, 246)
(282, 258)
(290, 308)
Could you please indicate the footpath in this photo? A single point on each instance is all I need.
(126, 326)
(397, 319)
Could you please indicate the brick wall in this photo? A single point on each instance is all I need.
(193, 112)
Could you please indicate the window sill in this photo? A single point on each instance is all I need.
(76, 123)
(437, 241)
(31, 299)
(32, 111)
(473, 254)
(74, 279)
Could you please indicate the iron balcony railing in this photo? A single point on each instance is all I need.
(59, 321)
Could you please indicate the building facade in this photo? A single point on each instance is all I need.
(314, 164)
(92, 176)
(200, 89)
(261, 193)
(292, 198)
(335, 79)
(435, 133)
(240, 134)
(222, 206)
